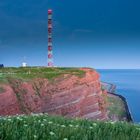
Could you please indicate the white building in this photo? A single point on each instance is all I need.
(24, 64)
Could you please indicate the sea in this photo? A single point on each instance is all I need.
(128, 85)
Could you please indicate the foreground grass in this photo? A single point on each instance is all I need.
(44, 127)
(30, 73)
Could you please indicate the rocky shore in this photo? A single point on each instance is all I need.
(111, 90)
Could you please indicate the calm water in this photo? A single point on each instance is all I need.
(128, 85)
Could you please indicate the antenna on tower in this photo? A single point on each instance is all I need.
(50, 54)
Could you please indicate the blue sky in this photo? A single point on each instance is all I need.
(93, 33)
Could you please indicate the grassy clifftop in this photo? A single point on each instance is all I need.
(44, 127)
(29, 73)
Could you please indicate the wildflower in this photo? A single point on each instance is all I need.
(77, 126)
(46, 113)
(52, 133)
(35, 136)
(63, 126)
(50, 122)
(34, 114)
(138, 128)
(70, 125)
(40, 114)
(90, 127)
(25, 125)
(112, 122)
(19, 118)
(42, 124)
(4, 119)
(9, 120)
(94, 124)
(65, 139)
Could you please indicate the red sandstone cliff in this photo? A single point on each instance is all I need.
(67, 95)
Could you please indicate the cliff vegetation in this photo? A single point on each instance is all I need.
(29, 73)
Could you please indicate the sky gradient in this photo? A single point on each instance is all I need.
(93, 33)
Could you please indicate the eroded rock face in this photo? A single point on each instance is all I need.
(69, 96)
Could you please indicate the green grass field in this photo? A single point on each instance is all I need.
(116, 108)
(44, 127)
(29, 73)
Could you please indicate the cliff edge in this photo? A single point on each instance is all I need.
(67, 94)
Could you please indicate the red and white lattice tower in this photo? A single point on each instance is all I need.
(50, 54)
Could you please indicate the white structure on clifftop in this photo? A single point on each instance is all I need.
(24, 64)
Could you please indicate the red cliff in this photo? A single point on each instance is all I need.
(67, 95)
